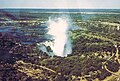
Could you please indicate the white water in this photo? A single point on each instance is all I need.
(58, 28)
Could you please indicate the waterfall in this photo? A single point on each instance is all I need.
(59, 29)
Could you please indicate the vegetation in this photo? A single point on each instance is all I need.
(95, 56)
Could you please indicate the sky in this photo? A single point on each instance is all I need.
(102, 4)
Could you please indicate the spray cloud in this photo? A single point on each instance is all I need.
(59, 29)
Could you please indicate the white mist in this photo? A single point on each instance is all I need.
(58, 28)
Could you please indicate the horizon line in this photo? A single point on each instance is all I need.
(49, 8)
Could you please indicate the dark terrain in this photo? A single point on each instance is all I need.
(95, 56)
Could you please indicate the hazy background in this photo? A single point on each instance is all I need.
(108, 4)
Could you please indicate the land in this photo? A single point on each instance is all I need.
(95, 56)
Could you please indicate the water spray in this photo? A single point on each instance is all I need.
(58, 28)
